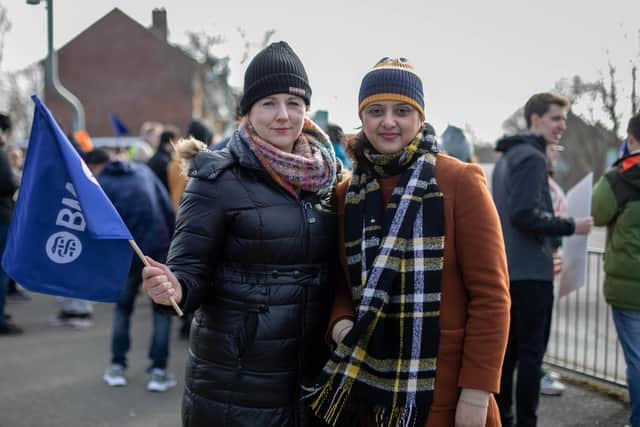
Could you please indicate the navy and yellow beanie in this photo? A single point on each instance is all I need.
(392, 79)
(275, 69)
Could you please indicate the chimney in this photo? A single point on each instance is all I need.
(159, 23)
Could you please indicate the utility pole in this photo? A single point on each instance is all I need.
(51, 72)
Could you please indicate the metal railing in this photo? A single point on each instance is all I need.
(583, 338)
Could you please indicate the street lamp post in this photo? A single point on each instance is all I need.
(51, 73)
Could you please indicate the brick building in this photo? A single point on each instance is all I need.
(117, 65)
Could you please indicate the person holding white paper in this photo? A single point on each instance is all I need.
(521, 193)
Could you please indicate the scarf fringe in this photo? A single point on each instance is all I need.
(329, 405)
(330, 410)
(398, 417)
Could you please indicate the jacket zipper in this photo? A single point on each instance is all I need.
(307, 218)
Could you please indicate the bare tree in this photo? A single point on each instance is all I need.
(634, 97)
(202, 47)
(515, 123)
(249, 45)
(218, 103)
(609, 99)
(5, 26)
(18, 86)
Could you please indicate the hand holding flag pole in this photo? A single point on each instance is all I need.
(138, 252)
(66, 238)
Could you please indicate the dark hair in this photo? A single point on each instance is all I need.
(634, 127)
(540, 102)
(166, 138)
(5, 122)
(354, 147)
(97, 156)
(200, 131)
(335, 132)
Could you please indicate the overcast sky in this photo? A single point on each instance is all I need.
(479, 60)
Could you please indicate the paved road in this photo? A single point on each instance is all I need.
(52, 377)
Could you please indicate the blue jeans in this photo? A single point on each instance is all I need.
(628, 328)
(4, 279)
(120, 340)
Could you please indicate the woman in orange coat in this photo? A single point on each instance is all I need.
(421, 328)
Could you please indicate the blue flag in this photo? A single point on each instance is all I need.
(119, 128)
(65, 238)
(624, 148)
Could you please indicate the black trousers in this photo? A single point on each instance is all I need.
(531, 305)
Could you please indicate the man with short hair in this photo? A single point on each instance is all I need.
(521, 193)
(616, 205)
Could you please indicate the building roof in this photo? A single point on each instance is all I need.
(118, 15)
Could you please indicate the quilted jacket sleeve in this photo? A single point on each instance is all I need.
(198, 240)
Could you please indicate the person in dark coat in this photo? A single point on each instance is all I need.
(8, 185)
(252, 254)
(144, 205)
(522, 197)
(160, 160)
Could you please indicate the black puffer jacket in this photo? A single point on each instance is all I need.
(254, 262)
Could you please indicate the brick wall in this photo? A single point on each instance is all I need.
(118, 66)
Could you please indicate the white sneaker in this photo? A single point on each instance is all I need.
(160, 380)
(114, 376)
(552, 375)
(550, 386)
(79, 321)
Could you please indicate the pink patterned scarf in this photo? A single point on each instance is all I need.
(311, 166)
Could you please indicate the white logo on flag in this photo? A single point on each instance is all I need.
(89, 174)
(63, 247)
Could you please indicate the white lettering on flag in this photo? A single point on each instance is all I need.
(63, 247)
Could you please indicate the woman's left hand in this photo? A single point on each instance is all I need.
(472, 408)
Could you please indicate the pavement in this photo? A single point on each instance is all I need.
(52, 376)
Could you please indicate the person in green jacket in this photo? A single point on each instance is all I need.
(616, 205)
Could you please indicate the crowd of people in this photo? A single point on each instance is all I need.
(367, 280)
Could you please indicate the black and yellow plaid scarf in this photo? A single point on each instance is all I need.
(395, 256)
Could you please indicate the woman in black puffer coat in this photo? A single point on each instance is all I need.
(252, 254)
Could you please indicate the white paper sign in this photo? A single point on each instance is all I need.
(574, 248)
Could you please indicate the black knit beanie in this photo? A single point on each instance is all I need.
(275, 69)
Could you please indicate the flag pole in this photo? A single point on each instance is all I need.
(136, 248)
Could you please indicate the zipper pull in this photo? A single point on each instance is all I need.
(309, 213)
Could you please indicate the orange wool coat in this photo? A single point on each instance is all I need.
(475, 302)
